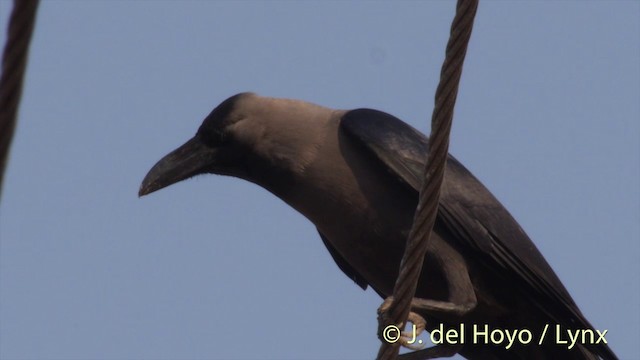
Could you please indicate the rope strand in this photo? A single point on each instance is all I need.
(424, 218)
(14, 62)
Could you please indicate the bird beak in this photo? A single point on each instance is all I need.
(188, 160)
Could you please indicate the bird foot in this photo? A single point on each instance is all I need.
(407, 338)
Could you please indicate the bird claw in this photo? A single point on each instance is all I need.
(407, 338)
(419, 324)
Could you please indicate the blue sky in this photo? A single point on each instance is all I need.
(548, 117)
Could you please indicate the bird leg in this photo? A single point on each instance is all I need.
(443, 308)
(461, 300)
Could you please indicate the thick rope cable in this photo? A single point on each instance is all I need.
(14, 63)
(425, 215)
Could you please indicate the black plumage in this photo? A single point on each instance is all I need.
(356, 175)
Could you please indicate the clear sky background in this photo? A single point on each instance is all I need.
(548, 117)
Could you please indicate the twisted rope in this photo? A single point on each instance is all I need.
(14, 62)
(425, 215)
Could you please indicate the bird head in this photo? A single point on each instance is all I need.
(255, 138)
(211, 150)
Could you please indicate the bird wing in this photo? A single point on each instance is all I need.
(343, 264)
(468, 210)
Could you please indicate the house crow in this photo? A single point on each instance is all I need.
(356, 175)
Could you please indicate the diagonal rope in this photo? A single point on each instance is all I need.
(424, 218)
(14, 62)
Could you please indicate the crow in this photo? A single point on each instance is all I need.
(356, 175)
